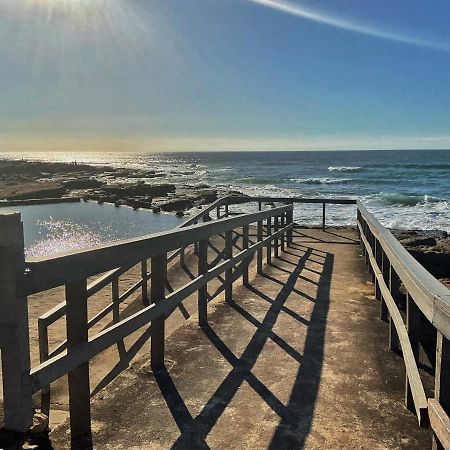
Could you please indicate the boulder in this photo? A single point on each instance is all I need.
(417, 241)
(176, 204)
(82, 183)
(40, 192)
(128, 190)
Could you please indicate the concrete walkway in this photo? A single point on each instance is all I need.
(298, 360)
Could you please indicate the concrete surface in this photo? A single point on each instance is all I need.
(298, 360)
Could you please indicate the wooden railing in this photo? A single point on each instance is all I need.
(20, 278)
(397, 276)
(405, 290)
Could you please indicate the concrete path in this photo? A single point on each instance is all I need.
(298, 360)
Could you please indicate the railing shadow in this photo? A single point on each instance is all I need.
(295, 417)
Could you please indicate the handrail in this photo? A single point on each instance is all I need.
(60, 364)
(430, 295)
(61, 268)
(389, 262)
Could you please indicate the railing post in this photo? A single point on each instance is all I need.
(276, 253)
(115, 299)
(259, 206)
(195, 244)
(290, 220)
(413, 328)
(14, 337)
(43, 356)
(246, 260)
(144, 282)
(218, 211)
(182, 256)
(394, 288)
(203, 290)
(158, 292)
(384, 265)
(79, 386)
(259, 252)
(323, 216)
(226, 210)
(283, 236)
(442, 375)
(228, 254)
(270, 243)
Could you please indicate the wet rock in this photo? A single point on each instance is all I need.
(82, 183)
(179, 214)
(417, 241)
(40, 192)
(176, 204)
(128, 190)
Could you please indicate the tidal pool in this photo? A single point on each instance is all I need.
(69, 226)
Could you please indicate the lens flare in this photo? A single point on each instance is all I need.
(353, 25)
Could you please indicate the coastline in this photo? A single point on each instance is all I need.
(24, 181)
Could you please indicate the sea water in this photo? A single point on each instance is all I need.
(404, 189)
(62, 227)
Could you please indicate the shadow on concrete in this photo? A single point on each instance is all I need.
(296, 416)
(329, 237)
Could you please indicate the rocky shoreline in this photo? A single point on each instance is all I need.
(23, 179)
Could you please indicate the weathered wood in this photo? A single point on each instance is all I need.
(441, 380)
(270, 244)
(245, 242)
(283, 238)
(440, 424)
(417, 390)
(203, 290)
(54, 270)
(158, 293)
(144, 276)
(14, 338)
(60, 364)
(290, 219)
(79, 387)
(431, 296)
(228, 254)
(413, 328)
(43, 356)
(276, 246)
(324, 205)
(391, 278)
(259, 254)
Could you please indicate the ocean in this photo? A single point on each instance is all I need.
(404, 189)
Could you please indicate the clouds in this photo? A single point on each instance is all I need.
(353, 25)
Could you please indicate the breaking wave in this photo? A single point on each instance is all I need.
(395, 199)
(321, 180)
(345, 168)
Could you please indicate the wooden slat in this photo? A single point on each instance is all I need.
(430, 295)
(417, 390)
(57, 366)
(440, 423)
(48, 272)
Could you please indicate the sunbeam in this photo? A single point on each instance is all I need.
(352, 25)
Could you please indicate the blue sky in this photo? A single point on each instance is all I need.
(224, 74)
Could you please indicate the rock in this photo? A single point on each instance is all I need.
(40, 423)
(139, 189)
(418, 241)
(83, 183)
(40, 192)
(437, 263)
(176, 204)
(156, 209)
(179, 214)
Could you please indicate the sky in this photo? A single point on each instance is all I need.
(160, 75)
